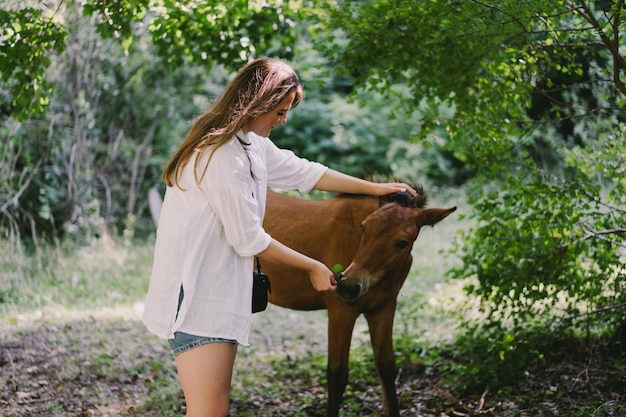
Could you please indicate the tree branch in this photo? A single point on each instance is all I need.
(596, 311)
(589, 233)
(619, 63)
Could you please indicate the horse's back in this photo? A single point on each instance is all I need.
(316, 227)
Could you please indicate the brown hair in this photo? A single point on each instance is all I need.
(257, 89)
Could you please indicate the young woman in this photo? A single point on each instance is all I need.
(210, 228)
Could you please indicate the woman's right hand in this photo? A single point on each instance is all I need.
(322, 278)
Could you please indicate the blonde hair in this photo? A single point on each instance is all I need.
(257, 89)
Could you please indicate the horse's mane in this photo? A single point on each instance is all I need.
(407, 200)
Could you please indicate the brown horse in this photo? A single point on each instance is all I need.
(374, 238)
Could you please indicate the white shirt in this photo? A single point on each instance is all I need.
(209, 233)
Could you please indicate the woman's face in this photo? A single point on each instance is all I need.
(264, 124)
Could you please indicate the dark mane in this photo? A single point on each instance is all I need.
(407, 200)
(403, 198)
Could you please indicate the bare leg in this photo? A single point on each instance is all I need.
(205, 374)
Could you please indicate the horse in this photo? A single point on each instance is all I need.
(373, 236)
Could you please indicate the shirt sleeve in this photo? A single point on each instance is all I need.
(287, 171)
(228, 187)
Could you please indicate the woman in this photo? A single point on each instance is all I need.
(210, 228)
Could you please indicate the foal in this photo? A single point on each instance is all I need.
(374, 237)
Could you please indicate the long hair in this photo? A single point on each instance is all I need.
(258, 88)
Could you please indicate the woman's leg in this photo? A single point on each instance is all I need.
(205, 374)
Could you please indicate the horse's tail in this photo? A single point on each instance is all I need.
(155, 201)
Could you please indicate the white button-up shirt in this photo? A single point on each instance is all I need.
(209, 233)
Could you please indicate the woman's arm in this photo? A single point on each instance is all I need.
(335, 181)
(321, 277)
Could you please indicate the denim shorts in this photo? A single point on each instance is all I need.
(182, 342)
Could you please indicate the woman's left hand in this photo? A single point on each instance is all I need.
(394, 187)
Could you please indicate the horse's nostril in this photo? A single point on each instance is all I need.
(340, 278)
(354, 290)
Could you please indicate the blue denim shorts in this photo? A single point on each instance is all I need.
(182, 342)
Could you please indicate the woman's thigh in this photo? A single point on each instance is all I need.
(205, 374)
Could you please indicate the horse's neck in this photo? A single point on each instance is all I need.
(359, 207)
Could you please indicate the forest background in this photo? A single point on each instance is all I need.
(517, 106)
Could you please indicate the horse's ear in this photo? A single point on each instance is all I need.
(430, 217)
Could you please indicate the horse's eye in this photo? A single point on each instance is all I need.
(401, 244)
(362, 227)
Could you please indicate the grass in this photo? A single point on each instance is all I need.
(72, 344)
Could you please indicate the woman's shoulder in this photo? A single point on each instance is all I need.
(230, 156)
(231, 148)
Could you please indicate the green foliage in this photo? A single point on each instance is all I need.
(489, 62)
(337, 268)
(429, 159)
(548, 246)
(343, 136)
(428, 48)
(331, 128)
(207, 33)
(488, 356)
(84, 168)
(115, 19)
(215, 32)
(28, 36)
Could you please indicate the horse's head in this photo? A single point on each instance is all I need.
(387, 237)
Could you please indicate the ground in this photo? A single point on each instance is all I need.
(98, 366)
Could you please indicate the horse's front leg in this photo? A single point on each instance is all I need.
(341, 319)
(381, 333)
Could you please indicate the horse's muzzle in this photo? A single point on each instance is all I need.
(349, 291)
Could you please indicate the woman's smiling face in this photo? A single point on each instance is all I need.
(264, 124)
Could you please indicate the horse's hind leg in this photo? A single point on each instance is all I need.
(340, 326)
(381, 332)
